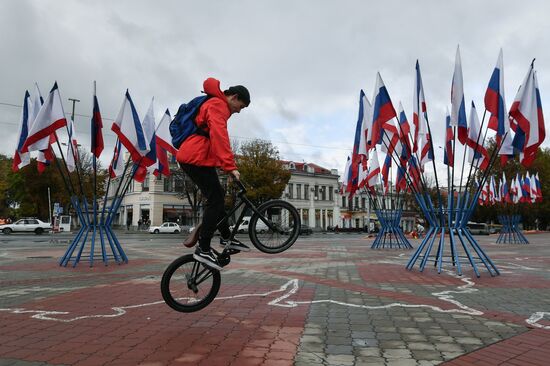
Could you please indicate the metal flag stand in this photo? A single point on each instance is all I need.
(390, 235)
(510, 232)
(90, 220)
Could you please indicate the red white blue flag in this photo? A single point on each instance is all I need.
(477, 154)
(129, 130)
(420, 113)
(50, 118)
(527, 118)
(148, 162)
(382, 112)
(448, 158)
(373, 171)
(96, 130)
(458, 106)
(117, 162)
(21, 159)
(495, 103)
(164, 145)
(365, 114)
(72, 147)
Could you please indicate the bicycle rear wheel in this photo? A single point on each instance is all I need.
(276, 229)
(188, 285)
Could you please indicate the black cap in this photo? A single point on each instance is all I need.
(241, 92)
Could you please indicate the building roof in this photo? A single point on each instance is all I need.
(302, 166)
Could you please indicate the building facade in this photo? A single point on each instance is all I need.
(314, 191)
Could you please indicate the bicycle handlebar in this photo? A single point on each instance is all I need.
(240, 185)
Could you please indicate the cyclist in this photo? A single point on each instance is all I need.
(201, 154)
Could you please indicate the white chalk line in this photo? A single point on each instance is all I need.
(291, 287)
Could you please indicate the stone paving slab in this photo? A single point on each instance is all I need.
(329, 300)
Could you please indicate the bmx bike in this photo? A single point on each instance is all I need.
(188, 285)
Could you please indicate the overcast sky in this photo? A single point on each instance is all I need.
(304, 62)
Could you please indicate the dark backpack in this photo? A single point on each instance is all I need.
(183, 125)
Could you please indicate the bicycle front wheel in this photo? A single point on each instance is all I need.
(188, 285)
(276, 228)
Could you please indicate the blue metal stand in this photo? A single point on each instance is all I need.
(90, 222)
(510, 232)
(390, 235)
(451, 221)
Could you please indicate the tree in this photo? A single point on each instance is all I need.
(190, 192)
(25, 193)
(261, 170)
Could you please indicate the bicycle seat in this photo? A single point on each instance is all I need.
(193, 238)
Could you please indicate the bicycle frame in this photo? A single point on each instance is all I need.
(243, 200)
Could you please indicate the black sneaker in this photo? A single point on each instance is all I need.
(208, 258)
(234, 244)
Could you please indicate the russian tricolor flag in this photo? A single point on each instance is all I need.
(458, 107)
(117, 163)
(448, 158)
(382, 112)
(477, 154)
(374, 171)
(528, 119)
(420, 113)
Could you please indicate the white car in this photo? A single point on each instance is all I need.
(243, 227)
(28, 225)
(167, 227)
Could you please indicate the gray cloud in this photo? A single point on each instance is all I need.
(303, 61)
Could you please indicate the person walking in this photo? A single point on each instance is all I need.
(201, 154)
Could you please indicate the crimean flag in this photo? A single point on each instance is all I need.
(129, 130)
(50, 118)
(373, 171)
(21, 159)
(164, 146)
(148, 161)
(117, 162)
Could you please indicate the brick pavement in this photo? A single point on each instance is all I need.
(330, 300)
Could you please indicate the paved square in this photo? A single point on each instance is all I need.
(329, 300)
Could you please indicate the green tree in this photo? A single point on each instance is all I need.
(261, 170)
(25, 193)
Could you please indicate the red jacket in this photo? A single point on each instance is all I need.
(212, 117)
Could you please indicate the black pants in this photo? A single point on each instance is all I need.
(206, 178)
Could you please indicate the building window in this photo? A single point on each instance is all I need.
(145, 184)
(290, 190)
(330, 194)
(178, 184)
(363, 203)
(316, 196)
(131, 186)
(306, 191)
(324, 193)
(344, 201)
(356, 202)
(298, 191)
(168, 184)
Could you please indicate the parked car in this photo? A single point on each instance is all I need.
(305, 230)
(28, 225)
(166, 227)
(243, 227)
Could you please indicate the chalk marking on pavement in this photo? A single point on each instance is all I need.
(291, 287)
(536, 317)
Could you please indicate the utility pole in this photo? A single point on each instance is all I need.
(74, 103)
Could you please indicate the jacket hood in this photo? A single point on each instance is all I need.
(211, 87)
